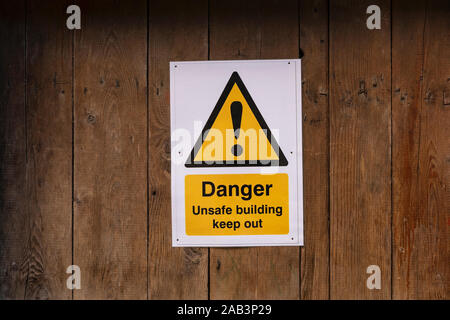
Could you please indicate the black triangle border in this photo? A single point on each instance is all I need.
(235, 78)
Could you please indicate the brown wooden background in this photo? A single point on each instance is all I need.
(85, 148)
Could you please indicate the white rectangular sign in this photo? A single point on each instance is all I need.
(236, 132)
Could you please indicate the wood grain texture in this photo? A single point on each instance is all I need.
(178, 31)
(421, 149)
(315, 271)
(49, 150)
(360, 150)
(119, 120)
(14, 222)
(254, 30)
(110, 151)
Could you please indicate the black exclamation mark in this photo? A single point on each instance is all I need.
(236, 117)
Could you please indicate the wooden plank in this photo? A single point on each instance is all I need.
(14, 222)
(178, 31)
(360, 156)
(421, 149)
(49, 150)
(110, 150)
(254, 30)
(315, 271)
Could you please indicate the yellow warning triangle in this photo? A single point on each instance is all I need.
(236, 134)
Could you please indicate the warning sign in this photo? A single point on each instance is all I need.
(236, 153)
(238, 204)
(249, 139)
